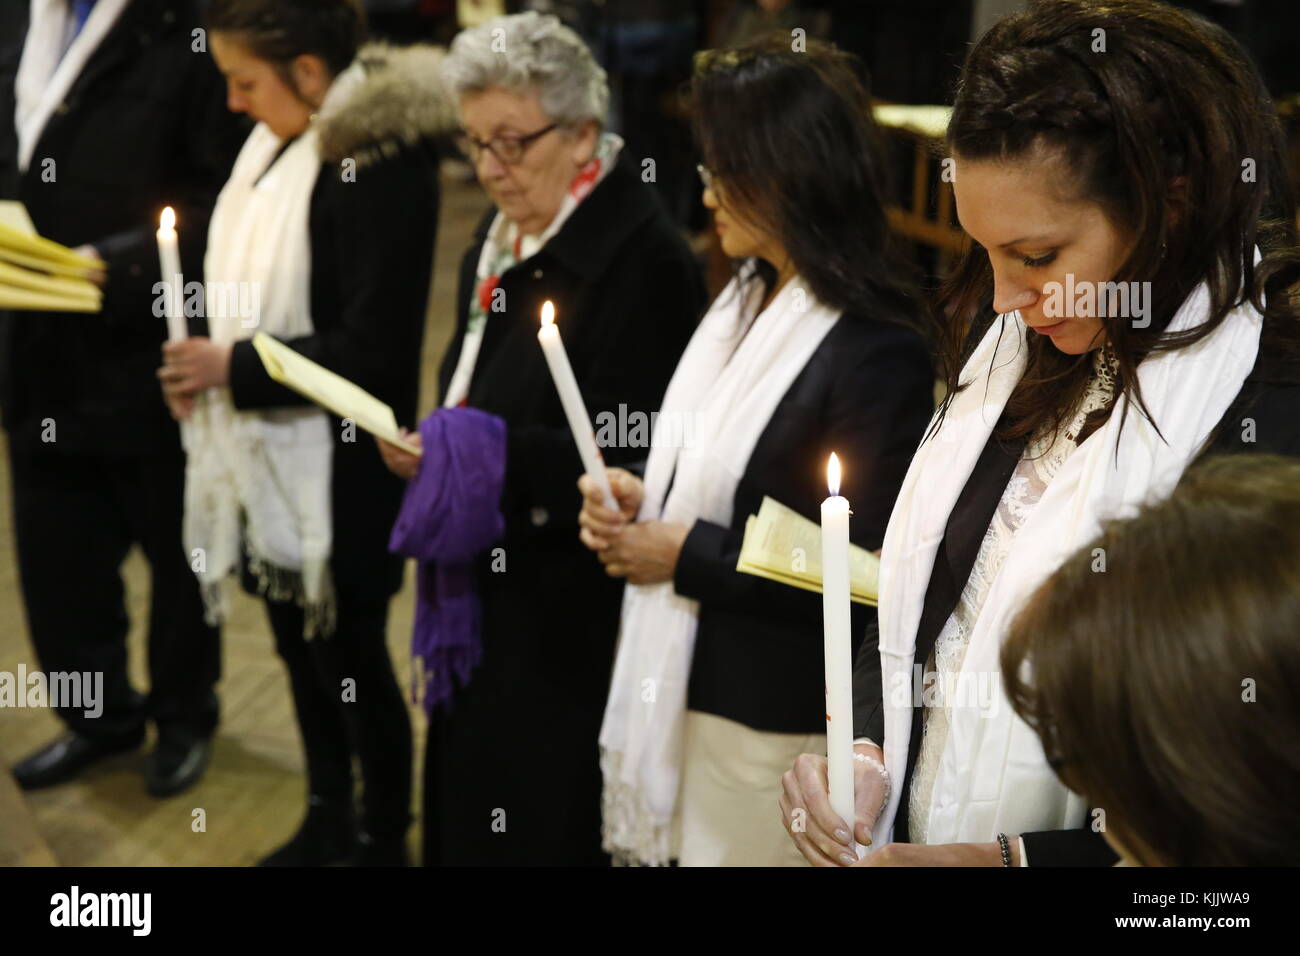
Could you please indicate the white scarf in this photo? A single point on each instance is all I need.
(43, 79)
(732, 397)
(993, 776)
(274, 465)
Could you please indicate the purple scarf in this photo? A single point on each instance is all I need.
(451, 513)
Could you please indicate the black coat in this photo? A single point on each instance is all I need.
(866, 394)
(372, 244)
(1270, 397)
(521, 737)
(144, 126)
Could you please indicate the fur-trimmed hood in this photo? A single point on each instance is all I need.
(402, 100)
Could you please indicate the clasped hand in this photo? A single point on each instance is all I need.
(190, 366)
(643, 552)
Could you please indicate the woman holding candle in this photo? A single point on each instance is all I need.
(329, 219)
(512, 771)
(814, 347)
(1121, 170)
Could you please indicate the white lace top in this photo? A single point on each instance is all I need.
(1041, 460)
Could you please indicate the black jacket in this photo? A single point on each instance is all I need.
(1270, 397)
(144, 126)
(628, 295)
(372, 243)
(866, 394)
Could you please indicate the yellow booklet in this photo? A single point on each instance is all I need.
(329, 390)
(39, 274)
(782, 545)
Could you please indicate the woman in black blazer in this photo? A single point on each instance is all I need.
(371, 219)
(802, 211)
(1206, 332)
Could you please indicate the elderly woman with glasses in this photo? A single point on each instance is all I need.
(512, 606)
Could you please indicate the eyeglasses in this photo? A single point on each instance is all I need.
(710, 181)
(508, 149)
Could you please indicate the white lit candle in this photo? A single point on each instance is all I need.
(574, 408)
(839, 658)
(169, 258)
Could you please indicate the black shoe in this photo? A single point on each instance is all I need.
(327, 837)
(176, 764)
(68, 756)
(386, 851)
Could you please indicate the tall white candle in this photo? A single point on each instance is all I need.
(169, 258)
(839, 658)
(574, 407)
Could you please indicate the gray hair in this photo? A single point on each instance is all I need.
(525, 52)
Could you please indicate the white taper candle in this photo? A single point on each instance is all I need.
(574, 407)
(169, 259)
(839, 659)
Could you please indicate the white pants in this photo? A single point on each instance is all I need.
(731, 782)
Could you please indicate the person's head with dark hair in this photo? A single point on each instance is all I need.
(794, 170)
(1119, 141)
(280, 57)
(1160, 666)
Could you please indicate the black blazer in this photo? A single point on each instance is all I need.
(144, 126)
(628, 295)
(1270, 397)
(866, 394)
(372, 244)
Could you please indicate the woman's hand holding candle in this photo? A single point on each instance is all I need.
(598, 524)
(645, 552)
(193, 364)
(817, 830)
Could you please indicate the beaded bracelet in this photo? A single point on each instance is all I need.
(880, 768)
(1005, 845)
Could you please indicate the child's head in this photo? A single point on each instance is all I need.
(1160, 666)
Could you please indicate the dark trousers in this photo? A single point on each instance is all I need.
(75, 520)
(366, 717)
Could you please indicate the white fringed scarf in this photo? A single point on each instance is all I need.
(269, 471)
(732, 397)
(993, 776)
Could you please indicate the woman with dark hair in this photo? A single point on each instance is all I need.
(814, 347)
(1165, 689)
(328, 218)
(1124, 309)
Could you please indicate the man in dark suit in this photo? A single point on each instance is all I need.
(109, 111)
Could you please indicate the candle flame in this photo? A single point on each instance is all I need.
(833, 474)
(548, 313)
(167, 221)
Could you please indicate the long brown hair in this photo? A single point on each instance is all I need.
(1164, 683)
(1171, 97)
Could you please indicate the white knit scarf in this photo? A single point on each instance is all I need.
(732, 397)
(268, 470)
(45, 72)
(993, 776)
